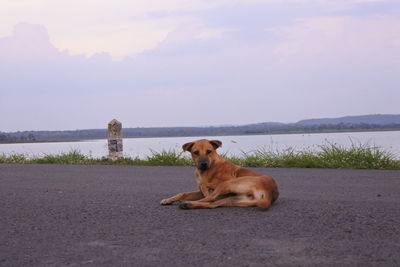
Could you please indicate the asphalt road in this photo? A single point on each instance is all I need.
(66, 215)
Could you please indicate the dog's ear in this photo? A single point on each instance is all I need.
(216, 143)
(188, 146)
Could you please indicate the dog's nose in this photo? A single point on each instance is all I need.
(203, 165)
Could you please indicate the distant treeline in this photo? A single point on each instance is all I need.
(251, 129)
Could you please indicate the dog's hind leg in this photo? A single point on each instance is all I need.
(231, 201)
(223, 190)
(261, 199)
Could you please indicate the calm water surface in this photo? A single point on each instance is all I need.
(232, 145)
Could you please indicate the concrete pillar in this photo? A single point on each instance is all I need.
(114, 140)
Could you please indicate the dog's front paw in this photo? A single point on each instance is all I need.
(185, 205)
(166, 202)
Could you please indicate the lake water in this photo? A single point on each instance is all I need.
(232, 145)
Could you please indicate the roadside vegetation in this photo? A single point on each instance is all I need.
(357, 156)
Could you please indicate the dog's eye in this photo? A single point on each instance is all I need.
(208, 152)
(196, 152)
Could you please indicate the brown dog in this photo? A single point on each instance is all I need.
(223, 183)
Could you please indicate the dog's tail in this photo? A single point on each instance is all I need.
(264, 200)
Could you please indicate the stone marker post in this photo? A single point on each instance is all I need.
(114, 140)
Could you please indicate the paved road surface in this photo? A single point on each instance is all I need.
(54, 215)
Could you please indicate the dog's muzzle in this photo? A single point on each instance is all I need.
(203, 165)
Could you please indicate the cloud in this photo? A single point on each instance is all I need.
(228, 62)
(28, 42)
(356, 42)
(130, 27)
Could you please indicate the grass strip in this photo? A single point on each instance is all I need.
(358, 156)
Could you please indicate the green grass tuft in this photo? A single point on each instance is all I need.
(357, 157)
(72, 157)
(168, 158)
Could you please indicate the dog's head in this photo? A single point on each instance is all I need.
(203, 152)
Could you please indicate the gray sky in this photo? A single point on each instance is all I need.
(78, 64)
